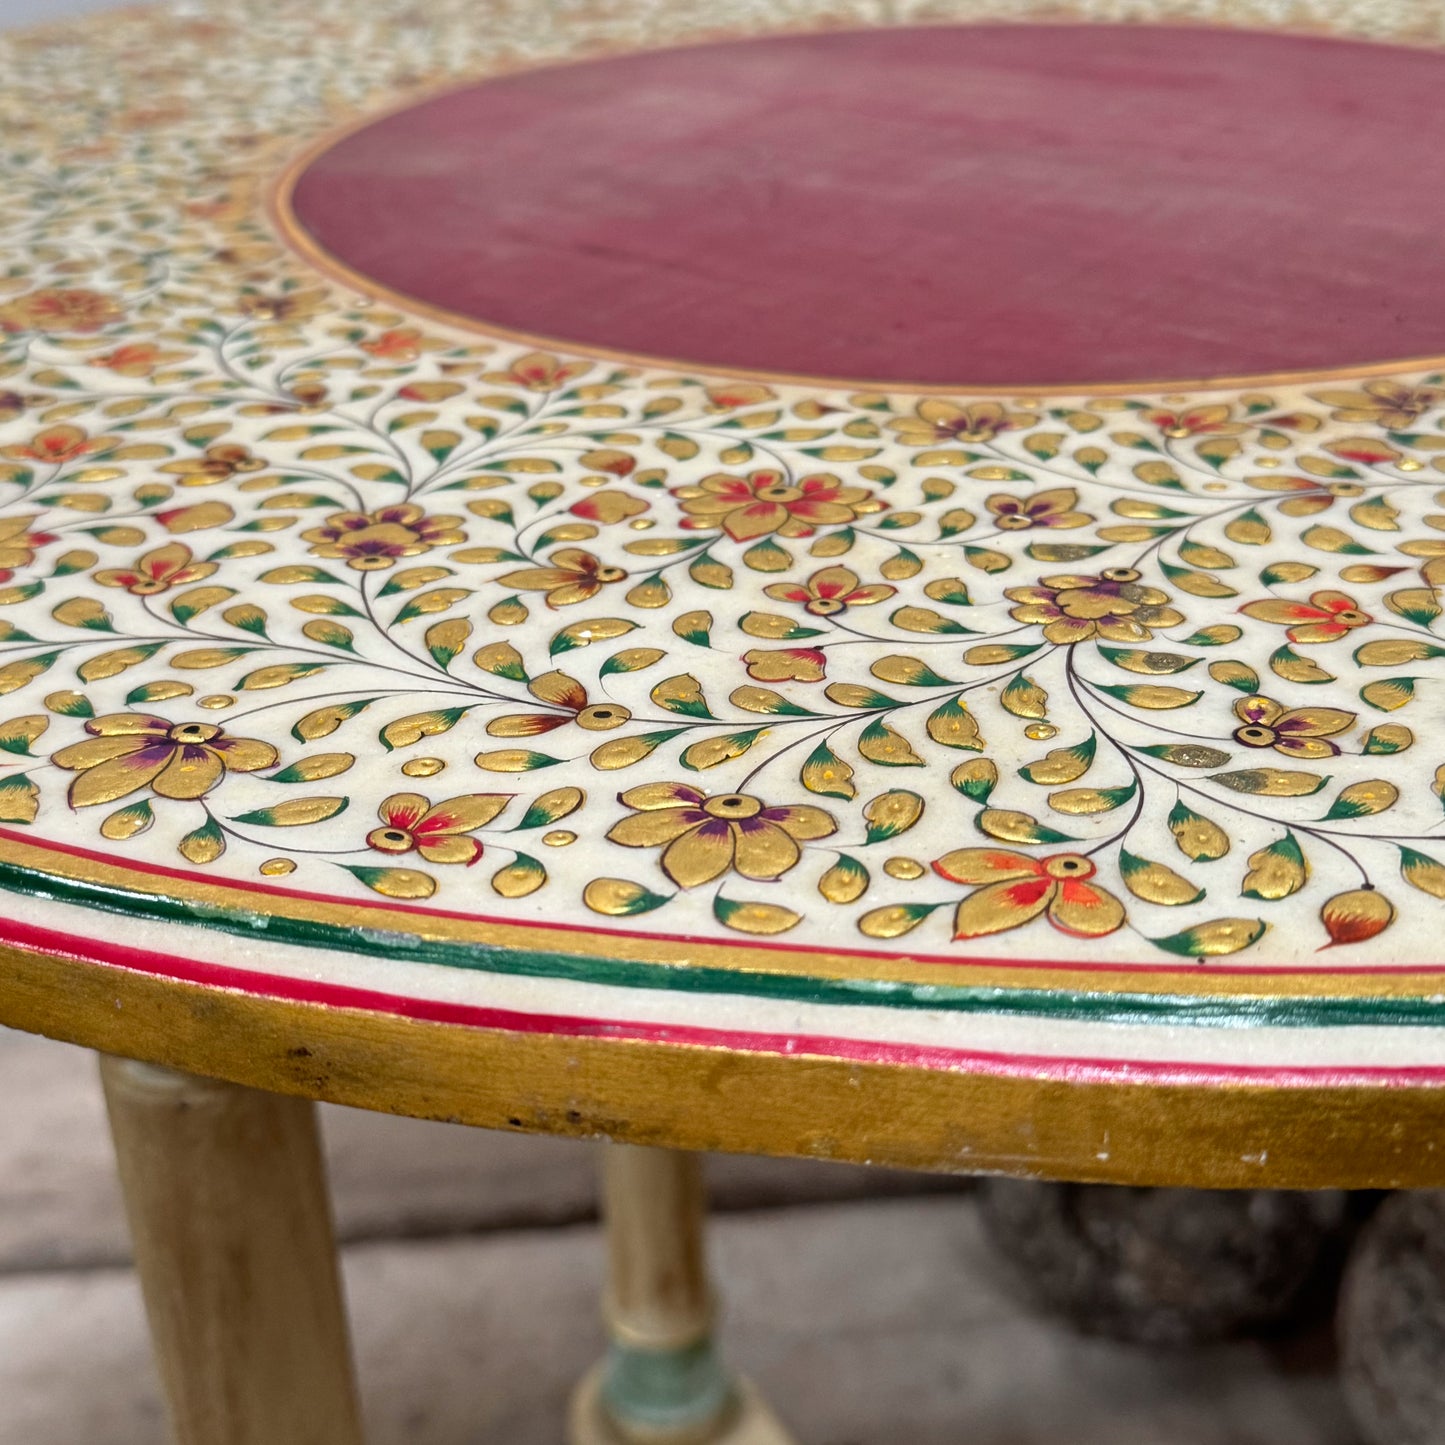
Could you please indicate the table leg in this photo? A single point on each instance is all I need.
(662, 1382)
(226, 1195)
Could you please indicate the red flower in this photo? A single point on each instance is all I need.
(1326, 617)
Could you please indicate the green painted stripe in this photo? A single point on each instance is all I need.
(1218, 1011)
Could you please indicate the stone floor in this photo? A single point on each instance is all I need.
(866, 1305)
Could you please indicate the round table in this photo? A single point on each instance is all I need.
(788, 586)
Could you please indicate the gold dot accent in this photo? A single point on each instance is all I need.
(559, 837)
(216, 701)
(1215, 487)
(1411, 464)
(906, 868)
(1266, 461)
(642, 524)
(423, 767)
(1041, 731)
(277, 867)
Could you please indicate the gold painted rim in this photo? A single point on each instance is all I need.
(695, 1097)
(280, 208)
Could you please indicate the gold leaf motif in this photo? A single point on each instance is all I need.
(892, 921)
(710, 752)
(1422, 872)
(845, 882)
(880, 743)
(1393, 651)
(1079, 801)
(890, 814)
(400, 734)
(1196, 836)
(1025, 698)
(519, 879)
(82, 612)
(319, 765)
(1156, 697)
(127, 822)
(19, 799)
(1010, 826)
(1292, 667)
(953, 726)
(1276, 871)
(1389, 694)
(623, 752)
(297, 812)
(1356, 916)
(1271, 782)
(828, 774)
(759, 918)
(405, 883)
(920, 619)
(1061, 765)
(202, 846)
(1156, 882)
(15, 675)
(278, 675)
(1235, 674)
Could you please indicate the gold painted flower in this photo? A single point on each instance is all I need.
(943, 421)
(1301, 732)
(830, 591)
(140, 358)
(1197, 421)
(373, 541)
(1310, 495)
(571, 575)
(608, 506)
(1388, 404)
(290, 306)
(130, 751)
(1326, 617)
(703, 837)
(1012, 889)
(439, 832)
(727, 396)
(1114, 605)
(18, 544)
(765, 502)
(59, 309)
(1053, 508)
(57, 445)
(157, 571)
(403, 343)
(220, 461)
(569, 698)
(540, 371)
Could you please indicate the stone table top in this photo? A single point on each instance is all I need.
(404, 711)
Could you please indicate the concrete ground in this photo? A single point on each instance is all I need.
(867, 1306)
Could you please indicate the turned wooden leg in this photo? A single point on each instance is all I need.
(662, 1382)
(226, 1196)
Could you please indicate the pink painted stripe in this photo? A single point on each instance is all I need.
(1194, 970)
(1080, 1070)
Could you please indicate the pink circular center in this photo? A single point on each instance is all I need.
(1012, 205)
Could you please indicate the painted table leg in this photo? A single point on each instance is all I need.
(662, 1382)
(226, 1196)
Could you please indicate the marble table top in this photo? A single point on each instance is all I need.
(400, 709)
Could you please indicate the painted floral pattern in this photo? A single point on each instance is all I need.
(296, 586)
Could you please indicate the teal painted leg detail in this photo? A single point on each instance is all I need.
(666, 1392)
